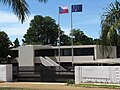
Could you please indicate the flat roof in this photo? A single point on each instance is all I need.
(37, 47)
(75, 46)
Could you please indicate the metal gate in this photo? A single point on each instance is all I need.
(44, 74)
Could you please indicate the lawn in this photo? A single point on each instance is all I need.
(98, 86)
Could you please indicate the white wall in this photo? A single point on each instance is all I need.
(77, 59)
(26, 56)
(6, 72)
(101, 74)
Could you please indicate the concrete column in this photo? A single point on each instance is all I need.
(77, 75)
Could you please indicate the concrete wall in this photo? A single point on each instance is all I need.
(6, 73)
(112, 53)
(26, 56)
(101, 74)
(77, 59)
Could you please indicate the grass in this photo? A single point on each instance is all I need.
(97, 86)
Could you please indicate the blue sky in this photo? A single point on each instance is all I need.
(88, 20)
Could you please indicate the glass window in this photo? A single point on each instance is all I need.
(83, 51)
(65, 52)
(45, 52)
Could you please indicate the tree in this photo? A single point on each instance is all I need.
(4, 46)
(16, 43)
(79, 38)
(110, 26)
(42, 30)
(19, 7)
(64, 39)
(96, 41)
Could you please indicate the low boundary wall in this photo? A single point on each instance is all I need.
(100, 74)
(6, 72)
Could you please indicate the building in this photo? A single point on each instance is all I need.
(42, 62)
(29, 55)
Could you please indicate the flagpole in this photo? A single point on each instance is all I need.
(72, 38)
(74, 8)
(59, 38)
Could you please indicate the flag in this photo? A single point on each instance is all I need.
(63, 10)
(76, 8)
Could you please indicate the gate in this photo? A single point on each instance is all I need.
(44, 74)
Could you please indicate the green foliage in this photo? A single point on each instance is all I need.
(19, 7)
(69, 82)
(16, 42)
(80, 38)
(98, 86)
(110, 24)
(4, 46)
(97, 41)
(64, 39)
(43, 30)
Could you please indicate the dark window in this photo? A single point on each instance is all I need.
(56, 52)
(45, 52)
(15, 53)
(66, 52)
(83, 51)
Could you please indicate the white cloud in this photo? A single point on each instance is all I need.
(66, 30)
(12, 26)
(14, 31)
(7, 17)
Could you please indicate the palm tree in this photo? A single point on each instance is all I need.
(19, 7)
(110, 26)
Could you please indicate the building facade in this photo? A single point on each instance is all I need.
(29, 55)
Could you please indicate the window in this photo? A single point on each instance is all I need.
(67, 52)
(45, 52)
(83, 51)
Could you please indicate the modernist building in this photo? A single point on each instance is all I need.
(42, 62)
(29, 55)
